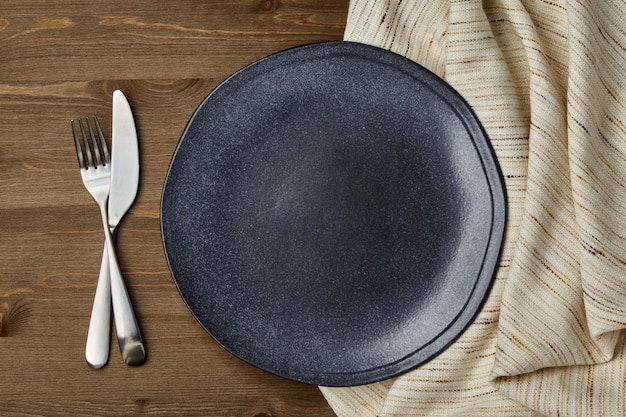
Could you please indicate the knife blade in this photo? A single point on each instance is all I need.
(124, 184)
(124, 160)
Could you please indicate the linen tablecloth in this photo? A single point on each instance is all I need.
(546, 80)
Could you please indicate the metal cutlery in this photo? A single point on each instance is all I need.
(96, 170)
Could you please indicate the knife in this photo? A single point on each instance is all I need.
(124, 184)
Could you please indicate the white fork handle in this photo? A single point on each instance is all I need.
(128, 335)
(99, 334)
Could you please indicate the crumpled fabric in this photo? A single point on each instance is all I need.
(546, 80)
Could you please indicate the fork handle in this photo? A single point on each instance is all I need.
(126, 327)
(99, 334)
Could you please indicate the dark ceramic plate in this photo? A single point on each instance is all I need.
(333, 214)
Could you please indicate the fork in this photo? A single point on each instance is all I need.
(95, 169)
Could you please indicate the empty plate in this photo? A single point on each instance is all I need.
(333, 214)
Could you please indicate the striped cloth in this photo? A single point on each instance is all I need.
(547, 80)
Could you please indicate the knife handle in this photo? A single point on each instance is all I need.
(99, 334)
(126, 327)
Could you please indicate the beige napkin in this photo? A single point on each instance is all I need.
(547, 80)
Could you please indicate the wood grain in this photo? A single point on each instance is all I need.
(61, 60)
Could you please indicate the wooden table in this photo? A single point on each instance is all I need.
(62, 59)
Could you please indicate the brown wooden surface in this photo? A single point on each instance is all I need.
(62, 59)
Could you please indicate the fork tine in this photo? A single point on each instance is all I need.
(86, 143)
(79, 152)
(94, 142)
(105, 149)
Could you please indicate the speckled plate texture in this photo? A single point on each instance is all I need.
(333, 214)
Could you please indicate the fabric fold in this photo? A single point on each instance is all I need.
(546, 81)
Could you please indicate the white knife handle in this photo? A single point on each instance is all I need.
(128, 335)
(99, 334)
